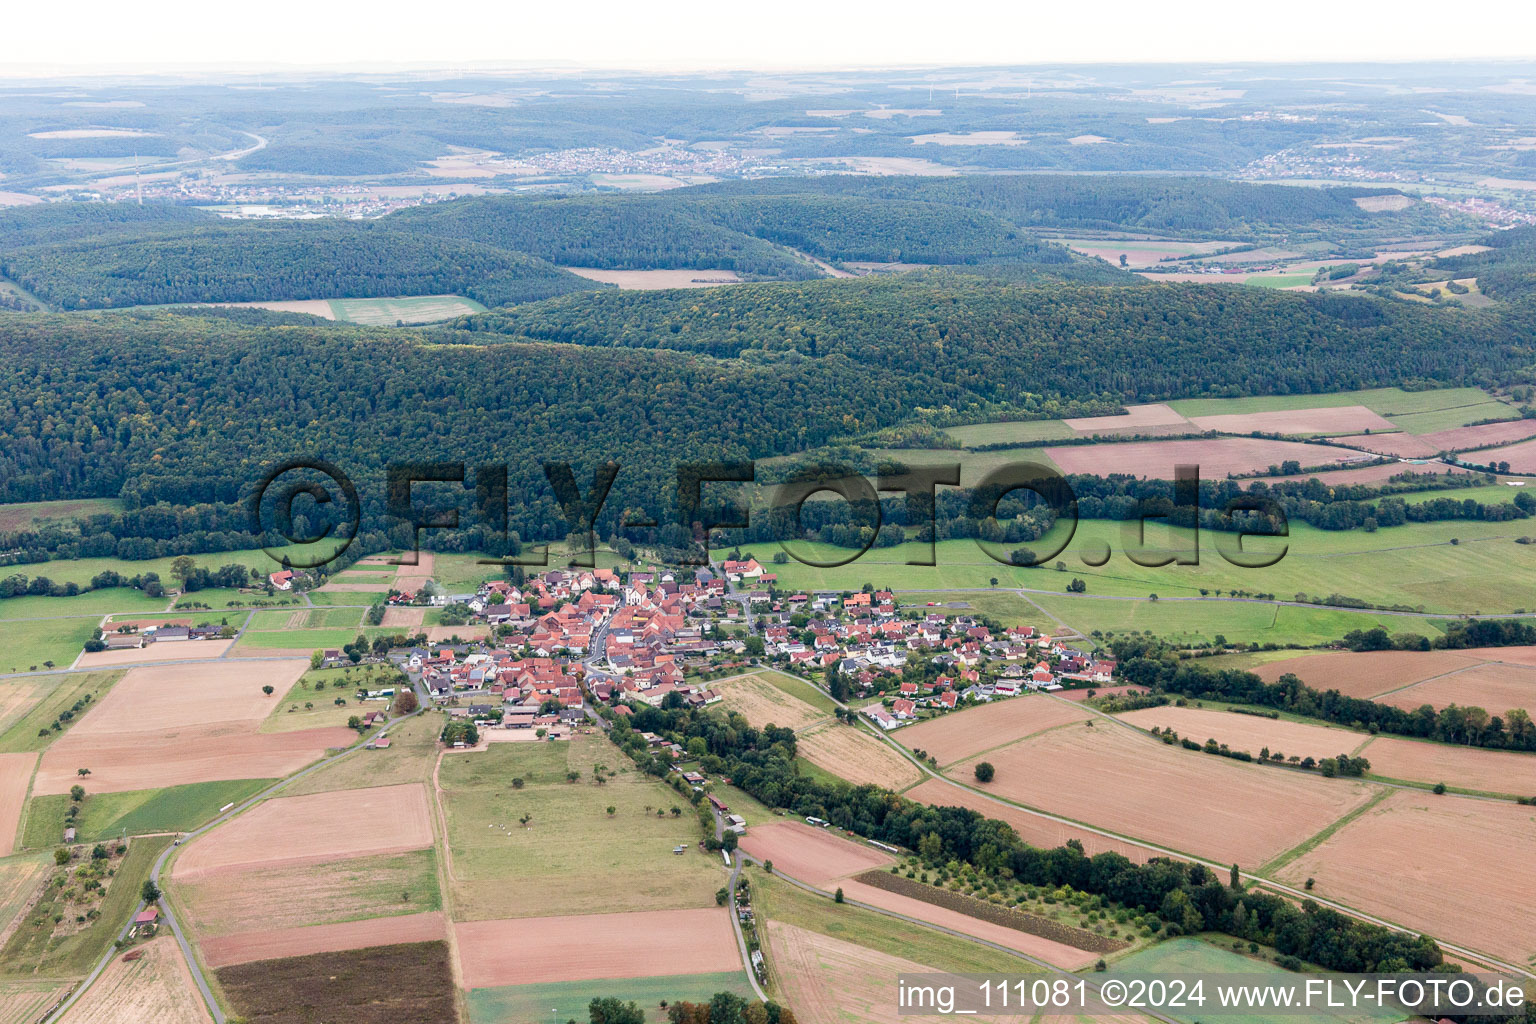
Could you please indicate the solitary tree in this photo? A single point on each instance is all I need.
(150, 891)
(406, 703)
(525, 819)
(837, 897)
(82, 771)
(984, 771)
(611, 810)
(77, 793)
(267, 690)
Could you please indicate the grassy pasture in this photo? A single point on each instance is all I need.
(571, 839)
(91, 603)
(54, 694)
(1388, 402)
(109, 815)
(523, 1004)
(29, 645)
(1011, 432)
(1442, 566)
(410, 757)
(321, 687)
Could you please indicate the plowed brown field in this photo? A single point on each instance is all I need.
(1250, 732)
(590, 946)
(322, 827)
(246, 947)
(15, 776)
(1492, 771)
(811, 855)
(1216, 457)
(1188, 801)
(1456, 868)
(1494, 688)
(156, 987)
(1368, 673)
(960, 734)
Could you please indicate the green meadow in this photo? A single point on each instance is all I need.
(567, 1000)
(136, 812)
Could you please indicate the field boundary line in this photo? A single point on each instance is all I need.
(1312, 842)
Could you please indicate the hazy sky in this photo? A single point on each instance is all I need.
(93, 35)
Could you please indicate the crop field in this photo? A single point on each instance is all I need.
(15, 778)
(188, 650)
(396, 618)
(156, 987)
(635, 944)
(829, 981)
(34, 704)
(415, 309)
(764, 703)
(1482, 861)
(1521, 457)
(26, 515)
(570, 838)
(1184, 800)
(1456, 439)
(294, 830)
(851, 753)
(1011, 432)
(347, 986)
(1365, 673)
(812, 855)
(171, 725)
(1216, 457)
(1032, 828)
(409, 759)
(1250, 732)
(275, 943)
(1192, 956)
(1050, 951)
(296, 896)
(1339, 419)
(517, 1004)
(1509, 772)
(135, 812)
(959, 734)
(1493, 687)
(36, 644)
(1389, 402)
(24, 1001)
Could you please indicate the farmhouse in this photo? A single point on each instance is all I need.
(281, 580)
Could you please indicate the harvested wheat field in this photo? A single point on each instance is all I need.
(1521, 457)
(411, 578)
(829, 981)
(1490, 771)
(1503, 655)
(853, 754)
(811, 855)
(1456, 439)
(267, 898)
(959, 734)
(1494, 688)
(15, 777)
(441, 634)
(763, 703)
(591, 946)
(1250, 732)
(403, 617)
(186, 650)
(131, 761)
(155, 987)
(1342, 419)
(173, 724)
(1032, 828)
(1048, 950)
(1187, 801)
(322, 827)
(1458, 869)
(246, 947)
(1216, 457)
(1137, 419)
(355, 588)
(1367, 673)
(26, 1000)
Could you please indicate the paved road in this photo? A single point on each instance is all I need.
(168, 915)
(730, 905)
